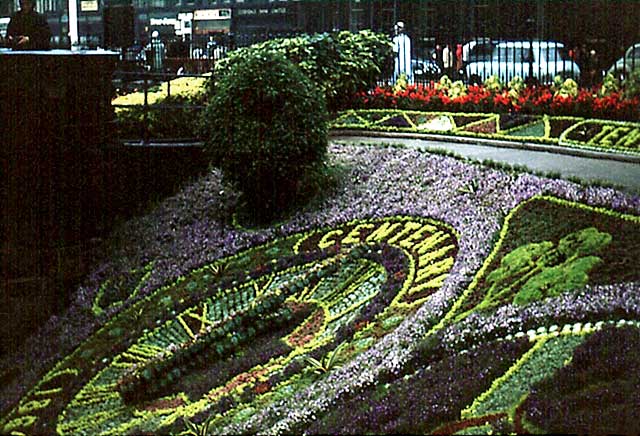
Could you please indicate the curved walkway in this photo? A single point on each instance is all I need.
(590, 166)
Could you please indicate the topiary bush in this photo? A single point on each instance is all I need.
(266, 129)
(340, 63)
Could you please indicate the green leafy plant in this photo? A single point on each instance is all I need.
(610, 84)
(327, 363)
(516, 86)
(340, 64)
(450, 88)
(401, 84)
(493, 84)
(172, 107)
(564, 88)
(195, 429)
(539, 270)
(216, 270)
(444, 84)
(632, 85)
(266, 128)
(161, 370)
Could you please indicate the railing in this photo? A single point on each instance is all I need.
(135, 127)
(430, 58)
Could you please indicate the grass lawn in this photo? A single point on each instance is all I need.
(422, 294)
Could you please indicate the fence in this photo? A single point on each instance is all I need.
(468, 40)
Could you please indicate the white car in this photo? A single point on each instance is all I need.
(626, 64)
(477, 49)
(539, 60)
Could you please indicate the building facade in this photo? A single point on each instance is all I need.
(606, 26)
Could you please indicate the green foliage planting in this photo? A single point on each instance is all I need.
(539, 362)
(194, 429)
(564, 88)
(541, 270)
(228, 341)
(632, 84)
(172, 108)
(340, 63)
(610, 84)
(574, 132)
(599, 386)
(166, 357)
(493, 84)
(266, 130)
(327, 363)
(540, 255)
(163, 369)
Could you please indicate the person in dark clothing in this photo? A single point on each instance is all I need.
(28, 30)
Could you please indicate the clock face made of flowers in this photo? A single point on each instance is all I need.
(240, 329)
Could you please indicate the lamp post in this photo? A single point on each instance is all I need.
(73, 23)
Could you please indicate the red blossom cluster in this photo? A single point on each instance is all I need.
(531, 100)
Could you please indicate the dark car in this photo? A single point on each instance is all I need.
(425, 70)
(624, 66)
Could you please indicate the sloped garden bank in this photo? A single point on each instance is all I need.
(423, 294)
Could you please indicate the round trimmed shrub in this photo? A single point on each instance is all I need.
(266, 129)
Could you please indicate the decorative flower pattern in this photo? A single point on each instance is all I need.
(183, 236)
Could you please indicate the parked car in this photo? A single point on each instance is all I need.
(532, 60)
(477, 49)
(627, 63)
(425, 69)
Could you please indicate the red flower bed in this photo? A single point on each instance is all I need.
(532, 100)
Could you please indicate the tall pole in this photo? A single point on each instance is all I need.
(73, 22)
(395, 13)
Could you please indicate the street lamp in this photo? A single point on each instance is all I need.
(73, 23)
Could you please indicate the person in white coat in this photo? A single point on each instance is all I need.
(402, 52)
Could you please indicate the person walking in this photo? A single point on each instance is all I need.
(27, 29)
(447, 60)
(157, 51)
(402, 52)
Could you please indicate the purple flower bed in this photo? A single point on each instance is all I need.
(597, 393)
(185, 232)
(434, 394)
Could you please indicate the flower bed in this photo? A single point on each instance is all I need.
(171, 110)
(601, 135)
(451, 354)
(384, 280)
(557, 100)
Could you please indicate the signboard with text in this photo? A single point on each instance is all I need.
(89, 5)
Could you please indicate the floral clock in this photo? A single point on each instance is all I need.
(542, 340)
(246, 329)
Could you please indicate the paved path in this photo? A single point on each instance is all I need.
(623, 171)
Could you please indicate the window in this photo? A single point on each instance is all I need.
(556, 54)
(512, 54)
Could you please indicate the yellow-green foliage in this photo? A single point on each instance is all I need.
(189, 87)
(516, 86)
(183, 93)
(541, 270)
(401, 83)
(493, 84)
(610, 84)
(566, 88)
(452, 89)
(444, 83)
